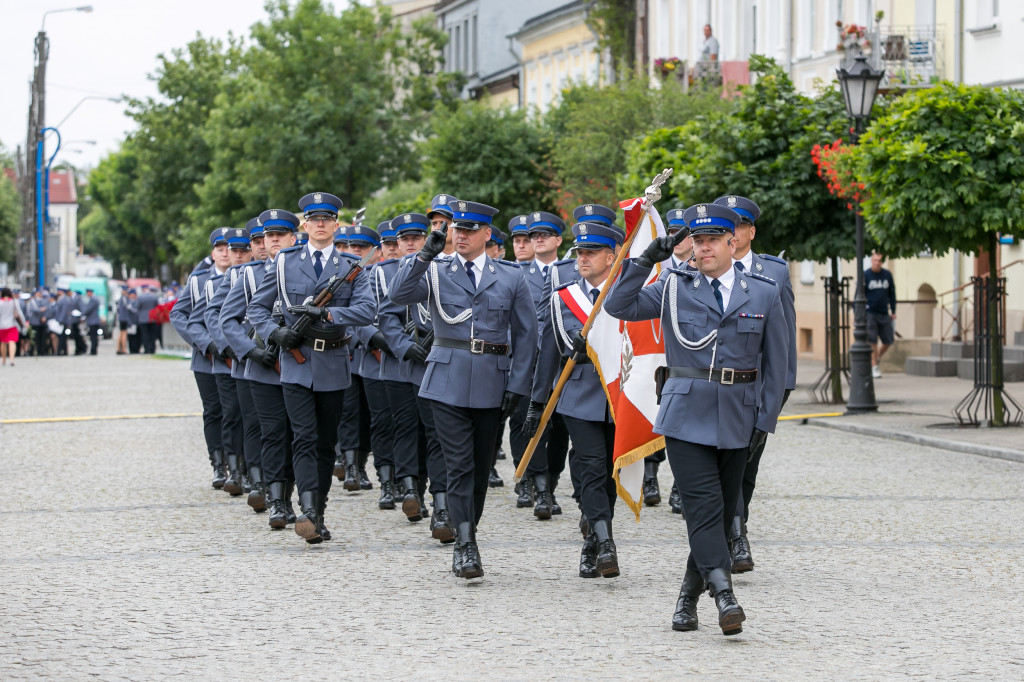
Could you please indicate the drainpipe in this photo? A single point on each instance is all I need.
(789, 38)
(958, 77)
(956, 297)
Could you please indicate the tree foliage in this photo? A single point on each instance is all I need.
(614, 22)
(10, 209)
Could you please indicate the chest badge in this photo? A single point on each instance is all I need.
(491, 268)
(335, 260)
(696, 283)
(303, 256)
(454, 267)
(743, 285)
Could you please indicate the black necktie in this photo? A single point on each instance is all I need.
(718, 295)
(318, 267)
(594, 293)
(739, 265)
(545, 271)
(469, 273)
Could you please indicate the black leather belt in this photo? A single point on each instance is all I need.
(320, 345)
(476, 346)
(724, 376)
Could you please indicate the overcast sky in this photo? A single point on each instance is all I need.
(108, 52)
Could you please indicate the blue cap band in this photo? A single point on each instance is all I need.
(597, 239)
(678, 221)
(362, 238)
(544, 223)
(280, 223)
(743, 212)
(597, 218)
(330, 208)
(474, 217)
(712, 220)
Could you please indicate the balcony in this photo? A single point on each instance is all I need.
(910, 56)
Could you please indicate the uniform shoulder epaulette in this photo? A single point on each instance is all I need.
(389, 260)
(563, 285)
(200, 272)
(351, 257)
(763, 278)
(291, 248)
(565, 261)
(680, 271)
(443, 257)
(506, 262)
(240, 266)
(767, 256)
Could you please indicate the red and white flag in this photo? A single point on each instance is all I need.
(625, 355)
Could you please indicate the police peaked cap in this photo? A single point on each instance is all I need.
(219, 236)
(472, 215)
(320, 203)
(544, 222)
(597, 235)
(441, 203)
(593, 213)
(749, 211)
(279, 220)
(520, 224)
(255, 228)
(711, 219)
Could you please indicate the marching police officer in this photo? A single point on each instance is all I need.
(777, 270)
(201, 365)
(148, 300)
(583, 404)
(91, 314)
(719, 323)
(480, 365)
(314, 362)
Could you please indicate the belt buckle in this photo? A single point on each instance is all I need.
(476, 346)
(318, 345)
(731, 373)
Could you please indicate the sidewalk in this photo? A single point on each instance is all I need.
(912, 409)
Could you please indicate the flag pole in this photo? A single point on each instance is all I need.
(651, 194)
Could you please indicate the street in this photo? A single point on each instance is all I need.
(874, 558)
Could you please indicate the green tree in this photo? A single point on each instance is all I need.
(10, 210)
(614, 23)
(493, 156)
(944, 169)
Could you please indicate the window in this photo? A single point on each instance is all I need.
(465, 46)
(987, 13)
(457, 49)
(807, 272)
(475, 48)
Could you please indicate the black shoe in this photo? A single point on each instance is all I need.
(607, 557)
(730, 613)
(584, 525)
(739, 547)
(525, 498)
(351, 471)
(469, 564)
(411, 505)
(306, 525)
(233, 483)
(588, 558)
(675, 500)
(543, 509)
(501, 453)
(555, 508)
(289, 488)
(385, 474)
(440, 523)
(278, 514)
(685, 617)
(322, 502)
(219, 473)
(246, 482)
(258, 496)
(651, 491)
(364, 480)
(494, 480)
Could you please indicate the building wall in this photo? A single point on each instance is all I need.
(992, 44)
(551, 59)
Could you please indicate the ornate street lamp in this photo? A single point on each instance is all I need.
(860, 86)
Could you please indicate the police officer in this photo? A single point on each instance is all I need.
(91, 315)
(264, 382)
(73, 316)
(583, 404)
(777, 270)
(147, 301)
(36, 311)
(313, 388)
(389, 248)
(496, 244)
(719, 323)
(485, 336)
(201, 365)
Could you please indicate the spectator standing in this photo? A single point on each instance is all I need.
(880, 290)
(709, 52)
(11, 321)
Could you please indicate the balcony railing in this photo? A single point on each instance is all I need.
(911, 56)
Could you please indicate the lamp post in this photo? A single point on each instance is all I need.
(860, 86)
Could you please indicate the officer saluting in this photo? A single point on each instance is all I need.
(313, 388)
(718, 324)
(485, 337)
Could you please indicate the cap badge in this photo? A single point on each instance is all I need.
(238, 233)
(589, 209)
(522, 220)
(258, 223)
(408, 218)
(583, 228)
(702, 210)
(442, 199)
(318, 198)
(462, 206)
(355, 229)
(223, 231)
(731, 201)
(273, 214)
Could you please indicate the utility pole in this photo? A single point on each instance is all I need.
(27, 266)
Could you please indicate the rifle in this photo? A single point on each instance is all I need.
(324, 297)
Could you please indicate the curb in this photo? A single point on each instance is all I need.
(930, 441)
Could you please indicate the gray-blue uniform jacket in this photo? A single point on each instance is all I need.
(695, 332)
(364, 361)
(35, 310)
(212, 315)
(202, 335)
(126, 311)
(293, 280)
(562, 272)
(778, 270)
(390, 367)
(235, 326)
(583, 396)
(391, 319)
(499, 310)
(145, 302)
(181, 311)
(91, 311)
(74, 303)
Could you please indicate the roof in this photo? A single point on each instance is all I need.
(62, 187)
(550, 15)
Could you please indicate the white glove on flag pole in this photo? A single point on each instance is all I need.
(625, 355)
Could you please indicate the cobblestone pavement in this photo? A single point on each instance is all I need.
(874, 559)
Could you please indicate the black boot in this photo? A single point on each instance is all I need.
(219, 473)
(543, 509)
(258, 497)
(675, 500)
(351, 471)
(441, 524)
(233, 483)
(246, 481)
(685, 617)
(422, 488)
(278, 514)
(339, 463)
(306, 525)
(501, 453)
(411, 499)
(584, 525)
(494, 480)
(387, 487)
(289, 488)
(652, 493)
(607, 558)
(730, 614)
(739, 547)
(321, 508)
(588, 558)
(525, 498)
(467, 563)
(555, 508)
(364, 480)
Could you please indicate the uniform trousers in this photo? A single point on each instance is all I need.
(42, 333)
(749, 479)
(406, 425)
(207, 384)
(76, 336)
(437, 470)
(593, 445)
(518, 442)
(314, 416)
(94, 338)
(147, 330)
(251, 433)
(467, 437)
(382, 422)
(232, 434)
(134, 342)
(354, 429)
(275, 432)
(708, 479)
